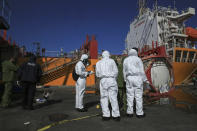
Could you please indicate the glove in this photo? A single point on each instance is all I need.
(90, 72)
(18, 83)
(147, 82)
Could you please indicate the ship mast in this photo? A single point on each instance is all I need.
(142, 6)
(156, 5)
(174, 4)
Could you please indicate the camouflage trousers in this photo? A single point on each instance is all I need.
(6, 98)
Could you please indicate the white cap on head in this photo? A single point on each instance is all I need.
(132, 52)
(105, 54)
(84, 56)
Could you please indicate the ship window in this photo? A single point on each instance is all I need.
(184, 54)
(184, 59)
(178, 56)
(195, 61)
(191, 56)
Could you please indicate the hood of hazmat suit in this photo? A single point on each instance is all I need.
(134, 75)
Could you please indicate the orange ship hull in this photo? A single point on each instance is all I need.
(66, 79)
(184, 67)
(182, 71)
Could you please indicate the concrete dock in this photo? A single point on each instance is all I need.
(61, 108)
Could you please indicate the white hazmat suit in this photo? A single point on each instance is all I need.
(107, 71)
(134, 75)
(81, 82)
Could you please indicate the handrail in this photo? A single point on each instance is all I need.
(59, 67)
(57, 72)
(49, 62)
(187, 78)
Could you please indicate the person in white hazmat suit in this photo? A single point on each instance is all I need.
(80, 69)
(107, 71)
(134, 75)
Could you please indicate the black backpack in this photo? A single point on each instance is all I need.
(74, 75)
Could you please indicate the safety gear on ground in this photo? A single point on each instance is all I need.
(81, 82)
(134, 75)
(107, 71)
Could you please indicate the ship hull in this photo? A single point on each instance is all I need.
(183, 72)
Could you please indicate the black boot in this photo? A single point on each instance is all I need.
(81, 110)
(129, 115)
(105, 118)
(116, 118)
(141, 116)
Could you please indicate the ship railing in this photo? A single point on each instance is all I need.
(185, 60)
(180, 45)
(195, 61)
(178, 59)
(189, 60)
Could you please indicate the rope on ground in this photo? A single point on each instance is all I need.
(65, 121)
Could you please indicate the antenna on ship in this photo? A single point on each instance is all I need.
(156, 5)
(174, 4)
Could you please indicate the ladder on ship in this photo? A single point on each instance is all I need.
(47, 62)
(59, 71)
(146, 31)
(188, 79)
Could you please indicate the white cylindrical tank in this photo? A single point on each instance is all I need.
(159, 73)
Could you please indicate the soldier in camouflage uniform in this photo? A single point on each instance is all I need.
(9, 76)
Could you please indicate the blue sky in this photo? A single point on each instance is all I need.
(64, 23)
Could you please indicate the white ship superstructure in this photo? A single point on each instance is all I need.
(164, 25)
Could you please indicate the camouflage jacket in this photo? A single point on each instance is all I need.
(9, 71)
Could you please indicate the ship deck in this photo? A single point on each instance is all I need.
(158, 117)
